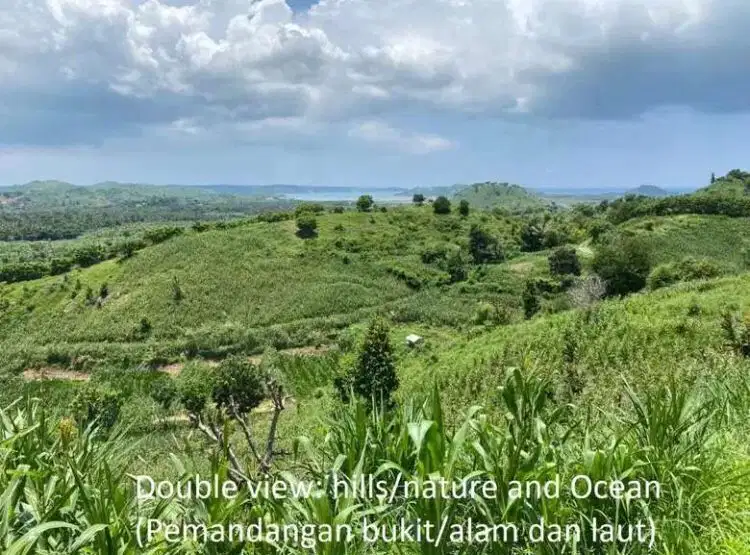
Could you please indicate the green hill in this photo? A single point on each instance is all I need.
(735, 183)
(649, 191)
(489, 195)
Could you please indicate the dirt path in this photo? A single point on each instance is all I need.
(52, 373)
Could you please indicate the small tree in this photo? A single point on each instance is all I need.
(532, 237)
(365, 203)
(441, 205)
(483, 247)
(564, 261)
(463, 208)
(418, 199)
(374, 376)
(623, 265)
(236, 387)
(307, 226)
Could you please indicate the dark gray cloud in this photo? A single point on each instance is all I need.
(82, 72)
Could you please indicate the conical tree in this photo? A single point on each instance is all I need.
(375, 373)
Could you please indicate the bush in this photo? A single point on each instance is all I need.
(96, 404)
(365, 203)
(442, 205)
(688, 269)
(483, 247)
(564, 261)
(164, 391)
(194, 386)
(624, 266)
(530, 300)
(463, 208)
(307, 226)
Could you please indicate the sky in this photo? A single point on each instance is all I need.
(565, 94)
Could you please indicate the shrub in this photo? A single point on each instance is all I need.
(164, 391)
(530, 300)
(463, 208)
(564, 261)
(441, 205)
(688, 269)
(365, 203)
(532, 237)
(624, 266)
(309, 208)
(194, 386)
(307, 226)
(96, 404)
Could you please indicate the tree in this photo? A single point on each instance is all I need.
(564, 261)
(365, 203)
(483, 247)
(713, 178)
(442, 205)
(236, 387)
(624, 265)
(307, 226)
(532, 237)
(418, 199)
(374, 376)
(463, 208)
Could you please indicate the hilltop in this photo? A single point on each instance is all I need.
(735, 183)
(487, 196)
(648, 191)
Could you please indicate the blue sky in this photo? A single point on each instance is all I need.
(546, 93)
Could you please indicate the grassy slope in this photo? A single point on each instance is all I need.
(720, 238)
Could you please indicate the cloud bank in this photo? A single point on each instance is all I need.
(86, 71)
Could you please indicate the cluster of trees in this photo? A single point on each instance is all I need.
(84, 256)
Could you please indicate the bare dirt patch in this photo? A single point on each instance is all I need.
(41, 374)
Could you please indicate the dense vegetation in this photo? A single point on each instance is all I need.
(553, 342)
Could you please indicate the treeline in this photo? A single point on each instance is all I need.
(84, 256)
(69, 222)
(631, 206)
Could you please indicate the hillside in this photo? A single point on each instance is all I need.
(648, 191)
(58, 210)
(487, 196)
(735, 183)
(507, 342)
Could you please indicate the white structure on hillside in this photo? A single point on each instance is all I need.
(414, 340)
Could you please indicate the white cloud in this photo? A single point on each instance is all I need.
(378, 132)
(214, 63)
